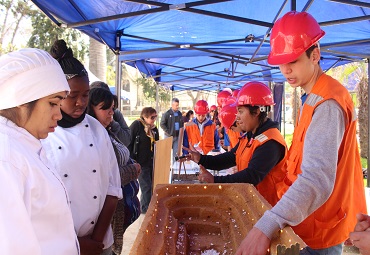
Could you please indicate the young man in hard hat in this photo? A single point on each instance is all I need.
(324, 187)
(201, 132)
(261, 152)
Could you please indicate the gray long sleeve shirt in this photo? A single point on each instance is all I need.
(319, 164)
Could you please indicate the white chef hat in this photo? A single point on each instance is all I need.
(27, 75)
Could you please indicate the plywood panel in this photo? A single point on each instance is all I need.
(162, 161)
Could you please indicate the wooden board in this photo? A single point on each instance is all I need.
(180, 141)
(162, 161)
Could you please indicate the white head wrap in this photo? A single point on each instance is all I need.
(27, 75)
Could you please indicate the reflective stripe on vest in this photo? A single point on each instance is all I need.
(269, 185)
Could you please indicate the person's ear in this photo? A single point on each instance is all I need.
(316, 55)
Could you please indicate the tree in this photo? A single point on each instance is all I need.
(150, 90)
(362, 95)
(15, 11)
(45, 33)
(199, 95)
(98, 59)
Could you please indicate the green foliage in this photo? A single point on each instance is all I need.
(45, 33)
(364, 162)
(288, 139)
(111, 75)
(150, 90)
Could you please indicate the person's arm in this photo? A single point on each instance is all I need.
(218, 162)
(216, 140)
(134, 130)
(319, 164)
(185, 143)
(14, 215)
(164, 123)
(264, 158)
(129, 172)
(227, 142)
(104, 219)
(120, 129)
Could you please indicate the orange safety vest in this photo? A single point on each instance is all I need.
(207, 141)
(330, 224)
(269, 186)
(233, 137)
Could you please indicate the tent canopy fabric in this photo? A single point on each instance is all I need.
(210, 45)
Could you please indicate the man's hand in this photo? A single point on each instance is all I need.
(89, 246)
(361, 235)
(205, 176)
(193, 153)
(363, 222)
(256, 243)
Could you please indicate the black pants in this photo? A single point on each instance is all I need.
(146, 187)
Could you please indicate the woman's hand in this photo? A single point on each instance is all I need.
(205, 176)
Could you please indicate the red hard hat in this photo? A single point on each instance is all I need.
(229, 100)
(201, 107)
(227, 115)
(292, 35)
(213, 108)
(255, 93)
(222, 96)
(235, 93)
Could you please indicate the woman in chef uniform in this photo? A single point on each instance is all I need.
(82, 153)
(35, 217)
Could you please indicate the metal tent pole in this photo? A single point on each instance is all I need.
(368, 118)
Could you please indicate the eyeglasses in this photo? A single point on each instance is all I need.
(153, 117)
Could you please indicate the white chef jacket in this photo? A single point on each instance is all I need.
(85, 159)
(35, 217)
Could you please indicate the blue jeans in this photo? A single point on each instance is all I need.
(146, 187)
(334, 250)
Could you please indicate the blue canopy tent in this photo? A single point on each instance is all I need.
(208, 44)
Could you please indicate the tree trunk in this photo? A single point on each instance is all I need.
(296, 104)
(362, 116)
(7, 5)
(98, 59)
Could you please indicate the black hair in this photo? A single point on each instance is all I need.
(97, 96)
(103, 85)
(310, 50)
(99, 84)
(70, 65)
(175, 100)
(190, 112)
(253, 111)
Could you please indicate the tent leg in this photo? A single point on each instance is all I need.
(368, 120)
(118, 80)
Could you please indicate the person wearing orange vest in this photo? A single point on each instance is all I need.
(201, 132)
(233, 132)
(261, 152)
(323, 189)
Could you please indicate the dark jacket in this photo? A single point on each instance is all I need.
(145, 147)
(168, 122)
(263, 160)
(119, 128)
